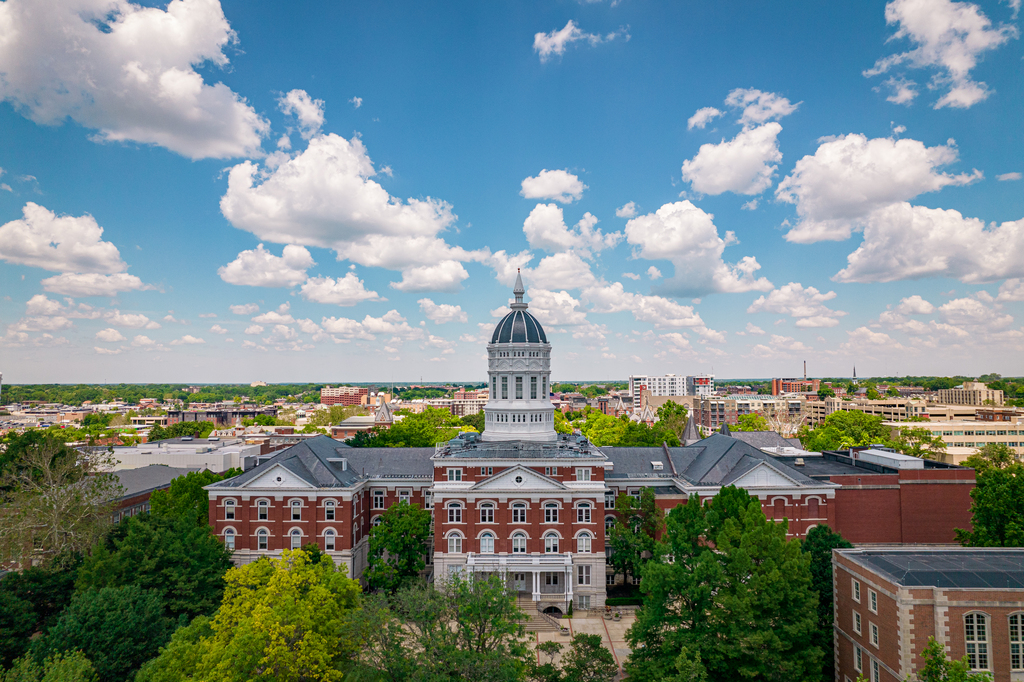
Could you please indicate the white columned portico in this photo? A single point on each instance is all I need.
(536, 585)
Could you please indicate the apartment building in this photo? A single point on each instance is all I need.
(701, 384)
(343, 395)
(719, 410)
(970, 393)
(780, 386)
(895, 409)
(964, 437)
(658, 385)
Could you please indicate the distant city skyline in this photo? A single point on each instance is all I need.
(223, 191)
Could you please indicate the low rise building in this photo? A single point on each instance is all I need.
(138, 484)
(214, 453)
(781, 386)
(343, 395)
(895, 409)
(222, 414)
(964, 438)
(971, 393)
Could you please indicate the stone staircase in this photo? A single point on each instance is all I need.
(535, 621)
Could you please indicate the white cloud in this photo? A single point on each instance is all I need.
(279, 316)
(130, 320)
(627, 210)
(656, 310)
(187, 340)
(902, 90)
(653, 272)
(754, 329)
(910, 242)
(702, 118)
(866, 340)
(141, 341)
(631, 275)
(356, 102)
(973, 314)
(556, 308)
(308, 111)
(545, 228)
(245, 309)
(850, 176)
(807, 305)
(445, 276)
(744, 164)
(391, 323)
(443, 312)
(93, 284)
(207, 314)
(560, 185)
(64, 243)
(253, 330)
(260, 268)
(344, 291)
(217, 329)
(914, 305)
(1011, 290)
(750, 205)
(1005, 177)
(560, 271)
(128, 72)
(758, 106)
(948, 37)
(687, 236)
(110, 335)
(108, 351)
(546, 45)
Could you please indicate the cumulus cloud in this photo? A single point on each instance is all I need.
(806, 305)
(128, 72)
(685, 235)
(64, 243)
(390, 324)
(914, 305)
(260, 268)
(279, 316)
(850, 176)
(545, 228)
(1011, 290)
(308, 111)
(560, 271)
(548, 45)
(187, 340)
(702, 117)
(130, 320)
(446, 276)
(653, 273)
(560, 185)
(253, 330)
(972, 314)
(758, 107)
(901, 90)
(656, 310)
(110, 335)
(743, 165)
(627, 210)
(865, 340)
(948, 37)
(754, 329)
(141, 341)
(1005, 177)
(556, 308)
(244, 309)
(217, 329)
(356, 102)
(345, 291)
(93, 284)
(443, 312)
(631, 275)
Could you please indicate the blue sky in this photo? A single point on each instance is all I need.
(687, 186)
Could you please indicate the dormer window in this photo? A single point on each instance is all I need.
(658, 466)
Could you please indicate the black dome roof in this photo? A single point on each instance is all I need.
(519, 326)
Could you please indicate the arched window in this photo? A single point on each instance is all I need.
(583, 543)
(296, 539)
(229, 510)
(329, 510)
(551, 513)
(262, 508)
(229, 539)
(487, 544)
(551, 544)
(976, 639)
(329, 540)
(454, 513)
(261, 539)
(609, 522)
(296, 510)
(583, 513)
(518, 513)
(455, 544)
(486, 513)
(377, 520)
(519, 543)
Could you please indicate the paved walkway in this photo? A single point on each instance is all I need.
(613, 635)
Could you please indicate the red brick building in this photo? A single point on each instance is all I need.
(343, 395)
(890, 601)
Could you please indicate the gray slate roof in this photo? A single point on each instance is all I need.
(947, 568)
(766, 439)
(148, 478)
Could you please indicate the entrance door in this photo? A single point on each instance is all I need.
(519, 579)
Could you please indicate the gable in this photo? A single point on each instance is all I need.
(763, 476)
(510, 480)
(269, 479)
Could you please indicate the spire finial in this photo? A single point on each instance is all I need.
(519, 290)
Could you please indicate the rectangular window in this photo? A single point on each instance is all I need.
(487, 514)
(856, 590)
(858, 659)
(547, 471)
(518, 514)
(583, 575)
(874, 635)
(486, 471)
(551, 514)
(533, 388)
(976, 638)
(583, 474)
(403, 496)
(329, 512)
(609, 499)
(875, 673)
(583, 601)
(583, 513)
(229, 511)
(455, 474)
(609, 578)
(263, 509)
(856, 622)
(544, 382)
(296, 511)
(494, 387)
(455, 514)
(378, 499)
(504, 388)
(519, 388)
(427, 500)
(872, 601)
(554, 471)
(1016, 655)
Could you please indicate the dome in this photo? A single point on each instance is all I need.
(519, 326)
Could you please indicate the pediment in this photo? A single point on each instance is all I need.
(510, 480)
(763, 476)
(277, 477)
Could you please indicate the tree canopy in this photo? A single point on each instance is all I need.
(752, 422)
(186, 495)
(421, 430)
(845, 429)
(820, 542)
(997, 507)
(398, 546)
(633, 537)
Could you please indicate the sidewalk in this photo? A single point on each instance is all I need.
(613, 635)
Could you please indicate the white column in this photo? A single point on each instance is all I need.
(536, 585)
(568, 583)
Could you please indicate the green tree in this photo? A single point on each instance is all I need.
(997, 508)
(820, 542)
(604, 429)
(639, 435)
(398, 546)
(632, 538)
(673, 416)
(421, 430)
(477, 421)
(181, 657)
(588, 660)
(333, 415)
(991, 455)
(753, 422)
(844, 429)
(186, 495)
(71, 666)
(747, 607)
(17, 625)
(181, 429)
(31, 601)
(917, 441)
(826, 392)
(117, 628)
(562, 424)
(172, 556)
(938, 668)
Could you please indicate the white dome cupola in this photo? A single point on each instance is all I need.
(519, 377)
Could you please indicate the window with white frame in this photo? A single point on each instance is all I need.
(976, 639)
(296, 539)
(583, 474)
(858, 659)
(551, 544)
(455, 544)
(609, 578)
(229, 510)
(609, 499)
(551, 512)
(504, 388)
(609, 522)
(518, 513)
(583, 601)
(874, 635)
(635, 494)
(486, 471)
(296, 510)
(487, 543)
(872, 601)
(229, 539)
(583, 513)
(583, 575)
(428, 500)
(262, 510)
(486, 513)
(519, 388)
(329, 508)
(455, 474)
(519, 543)
(454, 513)
(376, 521)
(403, 496)
(876, 675)
(1016, 654)
(261, 539)
(856, 622)
(856, 589)
(583, 543)
(533, 388)
(378, 500)
(329, 540)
